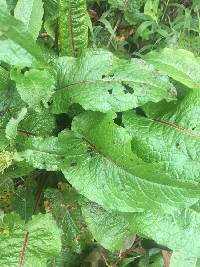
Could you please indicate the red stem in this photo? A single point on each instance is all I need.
(21, 259)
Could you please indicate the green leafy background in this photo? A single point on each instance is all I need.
(99, 155)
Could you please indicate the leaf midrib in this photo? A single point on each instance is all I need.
(176, 127)
(103, 81)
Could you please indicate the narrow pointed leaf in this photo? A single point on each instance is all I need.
(73, 26)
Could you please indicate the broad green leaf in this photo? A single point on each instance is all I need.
(110, 229)
(39, 238)
(16, 31)
(34, 87)
(14, 55)
(11, 127)
(63, 205)
(73, 26)
(30, 13)
(100, 164)
(180, 259)
(172, 139)
(115, 177)
(101, 82)
(179, 64)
